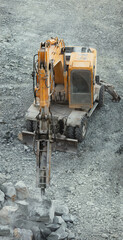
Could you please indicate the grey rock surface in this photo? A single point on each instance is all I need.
(9, 190)
(68, 218)
(53, 236)
(23, 206)
(62, 230)
(45, 232)
(7, 214)
(2, 196)
(4, 230)
(63, 226)
(36, 233)
(60, 209)
(90, 182)
(21, 189)
(6, 238)
(53, 226)
(58, 234)
(42, 211)
(58, 219)
(27, 224)
(71, 236)
(22, 234)
(2, 179)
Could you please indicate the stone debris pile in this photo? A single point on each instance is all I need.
(24, 218)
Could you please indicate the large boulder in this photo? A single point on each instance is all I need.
(53, 226)
(60, 208)
(7, 214)
(22, 234)
(27, 224)
(21, 190)
(9, 190)
(45, 232)
(41, 211)
(23, 206)
(59, 234)
(36, 233)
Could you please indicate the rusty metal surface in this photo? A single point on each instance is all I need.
(65, 145)
(58, 144)
(26, 137)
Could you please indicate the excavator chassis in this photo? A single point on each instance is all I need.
(66, 93)
(58, 142)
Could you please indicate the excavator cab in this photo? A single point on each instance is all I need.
(80, 88)
(82, 71)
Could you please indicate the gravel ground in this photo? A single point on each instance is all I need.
(90, 182)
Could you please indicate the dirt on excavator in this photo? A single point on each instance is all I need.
(90, 182)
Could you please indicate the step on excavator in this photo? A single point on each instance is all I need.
(66, 93)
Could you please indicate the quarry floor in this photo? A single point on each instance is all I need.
(89, 182)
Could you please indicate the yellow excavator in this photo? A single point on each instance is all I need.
(67, 90)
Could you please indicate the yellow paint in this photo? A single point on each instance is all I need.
(54, 51)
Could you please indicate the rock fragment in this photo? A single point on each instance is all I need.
(60, 209)
(68, 218)
(45, 232)
(41, 211)
(23, 206)
(2, 195)
(53, 236)
(21, 190)
(58, 220)
(22, 234)
(4, 230)
(104, 235)
(9, 190)
(7, 214)
(36, 233)
(25, 148)
(2, 178)
(64, 225)
(33, 218)
(27, 224)
(71, 236)
(59, 234)
(53, 226)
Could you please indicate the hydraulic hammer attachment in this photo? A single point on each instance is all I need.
(42, 149)
(43, 164)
